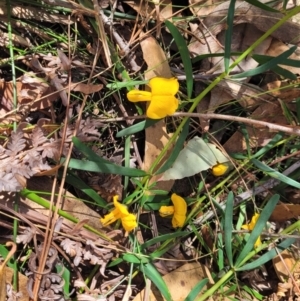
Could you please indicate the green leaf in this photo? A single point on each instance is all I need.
(163, 238)
(228, 35)
(177, 148)
(98, 164)
(141, 126)
(262, 6)
(65, 274)
(262, 220)
(109, 168)
(268, 65)
(228, 227)
(151, 273)
(79, 184)
(267, 256)
(185, 56)
(284, 73)
(269, 146)
(261, 59)
(134, 258)
(119, 85)
(196, 290)
(197, 156)
(275, 174)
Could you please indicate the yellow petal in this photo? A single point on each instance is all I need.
(129, 222)
(162, 106)
(180, 208)
(257, 243)
(137, 95)
(121, 210)
(109, 218)
(252, 224)
(178, 220)
(219, 169)
(164, 86)
(166, 211)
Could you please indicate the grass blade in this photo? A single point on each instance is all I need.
(196, 290)
(177, 148)
(152, 273)
(268, 65)
(228, 227)
(228, 35)
(185, 56)
(267, 256)
(98, 164)
(275, 174)
(104, 167)
(136, 127)
(262, 6)
(262, 220)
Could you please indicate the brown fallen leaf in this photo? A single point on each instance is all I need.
(86, 88)
(285, 265)
(156, 135)
(3, 270)
(180, 282)
(72, 205)
(284, 212)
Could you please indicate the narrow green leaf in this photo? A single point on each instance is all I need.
(151, 273)
(134, 258)
(261, 59)
(275, 174)
(269, 146)
(262, 220)
(267, 256)
(108, 168)
(163, 238)
(298, 108)
(268, 65)
(209, 55)
(185, 56)
(196, 290)
(177, 148)
(284, 73)
(79, 184)
(228, 227)
(228, 35)
(262, 6)
(137, 127)
(119, 85)
(66, 275)
(98, 164)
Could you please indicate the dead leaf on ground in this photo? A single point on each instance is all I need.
(285, 265)
(71, 204)
(179, 282)
(285, 212)
(22, 283)
(156, 135)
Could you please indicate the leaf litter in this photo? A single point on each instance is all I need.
(52, 84)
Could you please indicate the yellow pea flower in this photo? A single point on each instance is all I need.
(178, 210)
(219, 169)
(120, 212)
(162, 97)
(251, 226)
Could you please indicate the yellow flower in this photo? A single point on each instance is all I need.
(162, 97)
(178, 210)
(251, 226)
(219, 169)
(120, 212)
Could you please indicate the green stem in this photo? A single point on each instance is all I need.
(221, 282)
(38, 200)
